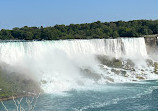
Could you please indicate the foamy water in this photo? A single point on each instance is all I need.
(60, 65)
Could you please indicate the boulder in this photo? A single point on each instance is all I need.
(140, 78)
(109, 61)
(116, 71)
(150, 62)
(156, 67)
(124, 73)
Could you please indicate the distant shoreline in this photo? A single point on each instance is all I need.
(71, 39)
(95, 30)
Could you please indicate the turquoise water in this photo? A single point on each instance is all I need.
(140, 96)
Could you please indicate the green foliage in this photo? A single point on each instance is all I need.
(93, 30)
(13, 84)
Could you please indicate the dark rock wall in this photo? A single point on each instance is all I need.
(151, 41)
(151, 44)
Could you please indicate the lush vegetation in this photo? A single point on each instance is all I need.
(97, 29)
(13, 84)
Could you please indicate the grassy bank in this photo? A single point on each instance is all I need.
(17, 85)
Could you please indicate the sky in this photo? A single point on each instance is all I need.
(19, 13)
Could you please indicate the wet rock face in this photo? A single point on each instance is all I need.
(140, 77)
(120, 72)
(110, 62)
(128, 65)
(127, 68)
(150, 62)
(151, 44)
(124, 73)
(156, 67)
(109, 79)
(90, 74)
(151, 41)
(116, 63)
(116, 71)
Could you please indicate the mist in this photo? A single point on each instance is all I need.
(74, 64)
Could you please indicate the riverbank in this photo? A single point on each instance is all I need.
(17, 85)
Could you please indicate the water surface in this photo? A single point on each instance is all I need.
(140, 96)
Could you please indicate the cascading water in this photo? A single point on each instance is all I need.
(125, 47)
(66, 64)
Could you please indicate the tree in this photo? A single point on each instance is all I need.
(115, 34)
(27, 35)
(97, 29)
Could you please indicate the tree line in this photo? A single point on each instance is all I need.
(134, 28)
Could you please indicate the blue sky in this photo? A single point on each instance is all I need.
(19, 13)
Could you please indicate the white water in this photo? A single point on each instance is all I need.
(58, 64)
(127, 47)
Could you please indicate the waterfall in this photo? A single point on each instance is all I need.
(13, 51)
(60, 62)
(128, 47)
